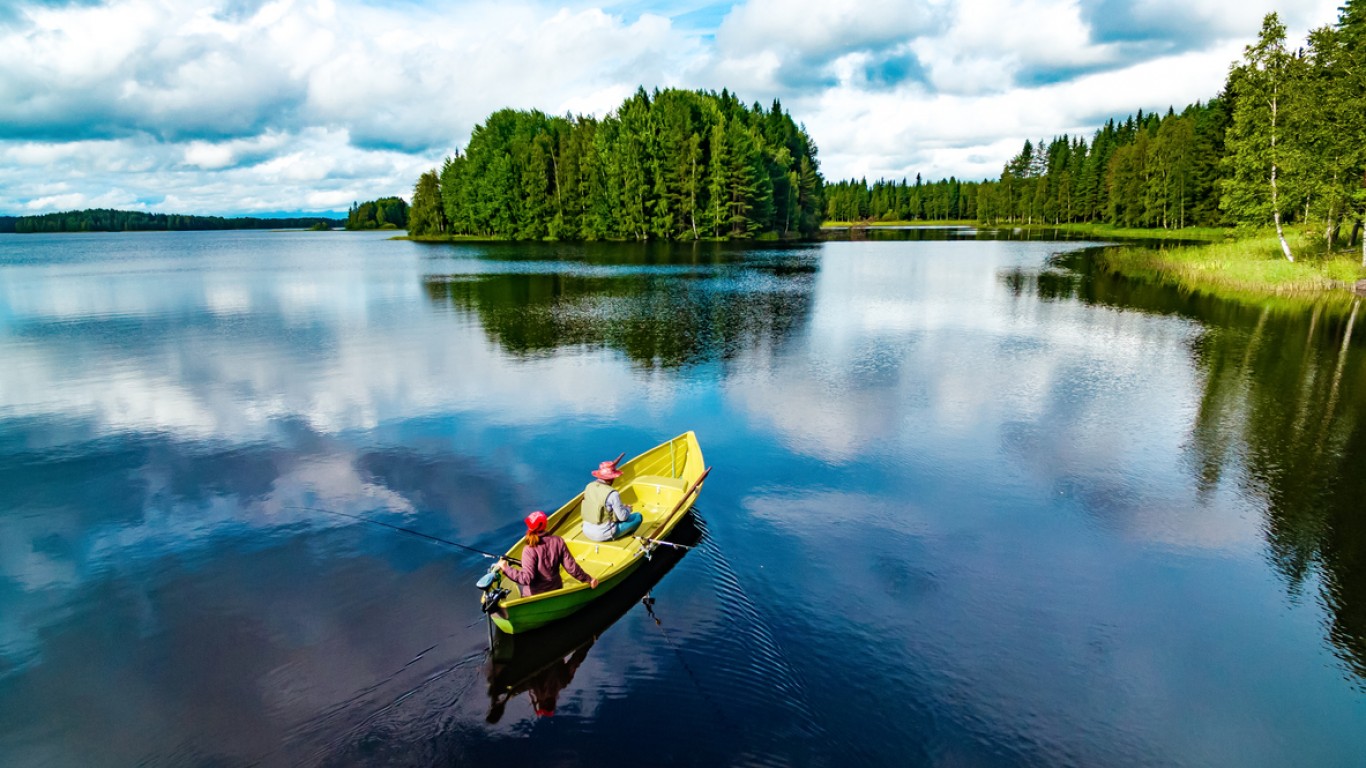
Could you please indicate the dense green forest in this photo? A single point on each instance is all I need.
(667, 165)
(1147, 171)
(106, 220)
(901, 201)
(1285, 143)
(384, 213)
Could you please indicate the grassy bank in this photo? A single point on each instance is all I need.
(1245, 268)
(1108, 232)
(1096, 231)
(1215, 260)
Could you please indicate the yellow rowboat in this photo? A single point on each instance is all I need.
(661, 484)
(543, 661)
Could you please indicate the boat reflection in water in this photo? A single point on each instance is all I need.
(542, 662)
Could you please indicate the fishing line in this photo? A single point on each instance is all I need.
(401, 529)
(648, 601)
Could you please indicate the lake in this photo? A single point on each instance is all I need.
(975, 502)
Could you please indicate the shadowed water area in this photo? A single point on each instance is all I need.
(974, 503)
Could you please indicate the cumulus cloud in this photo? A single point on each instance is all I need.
(408, 78)
(314, 169)
(235, 106)
(255, 95)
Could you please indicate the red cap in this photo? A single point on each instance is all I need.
(535, 522)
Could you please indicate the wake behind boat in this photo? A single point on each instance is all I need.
(660, 484)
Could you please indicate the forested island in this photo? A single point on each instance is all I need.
(667, 165)
(384, 213)
(1284, 145)
(108, 220)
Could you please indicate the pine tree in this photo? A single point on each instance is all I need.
(426, 216)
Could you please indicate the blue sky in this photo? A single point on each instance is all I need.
(252, 106)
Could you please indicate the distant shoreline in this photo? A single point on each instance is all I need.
(111, 220)
(1220, 261)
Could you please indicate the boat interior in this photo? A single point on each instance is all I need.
(651, 484)
(652, 496)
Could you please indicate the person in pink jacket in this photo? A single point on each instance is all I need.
(542, 558)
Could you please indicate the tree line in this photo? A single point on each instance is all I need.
(1284, 143)
(109, 220)
(667, 165)
(883, 200)
(1147, 171)
(384, 213)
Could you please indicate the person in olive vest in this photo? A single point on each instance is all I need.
(605, 517)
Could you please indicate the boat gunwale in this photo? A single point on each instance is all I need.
(561, 516)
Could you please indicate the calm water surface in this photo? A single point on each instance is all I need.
(972, 505)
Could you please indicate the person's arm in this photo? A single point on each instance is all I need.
(619, 509)
(572, 566)
(518, 575)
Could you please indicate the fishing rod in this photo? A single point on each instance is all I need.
(420, 534)
(662, 542)
(645, 548)
(686, 495)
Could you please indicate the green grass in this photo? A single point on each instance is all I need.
(1110, 232)
(1100, 231)
(1244, 269)
(1241, 264)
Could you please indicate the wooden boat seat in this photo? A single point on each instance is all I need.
(662, 482)
(597, 556)
(651, 495)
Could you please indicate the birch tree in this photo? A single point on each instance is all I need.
(1260, 142)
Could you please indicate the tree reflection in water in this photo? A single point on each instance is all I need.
(1280, 416)
(671, 310)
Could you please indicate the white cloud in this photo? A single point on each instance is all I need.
(976, 57)
(208, 156)
(231, 108)
(314, 169)
(911, 130)
(824, 27)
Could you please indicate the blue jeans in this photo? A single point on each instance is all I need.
(629, 525)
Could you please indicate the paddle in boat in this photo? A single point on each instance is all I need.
(661, 484)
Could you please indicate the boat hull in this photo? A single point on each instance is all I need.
(659, 484)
